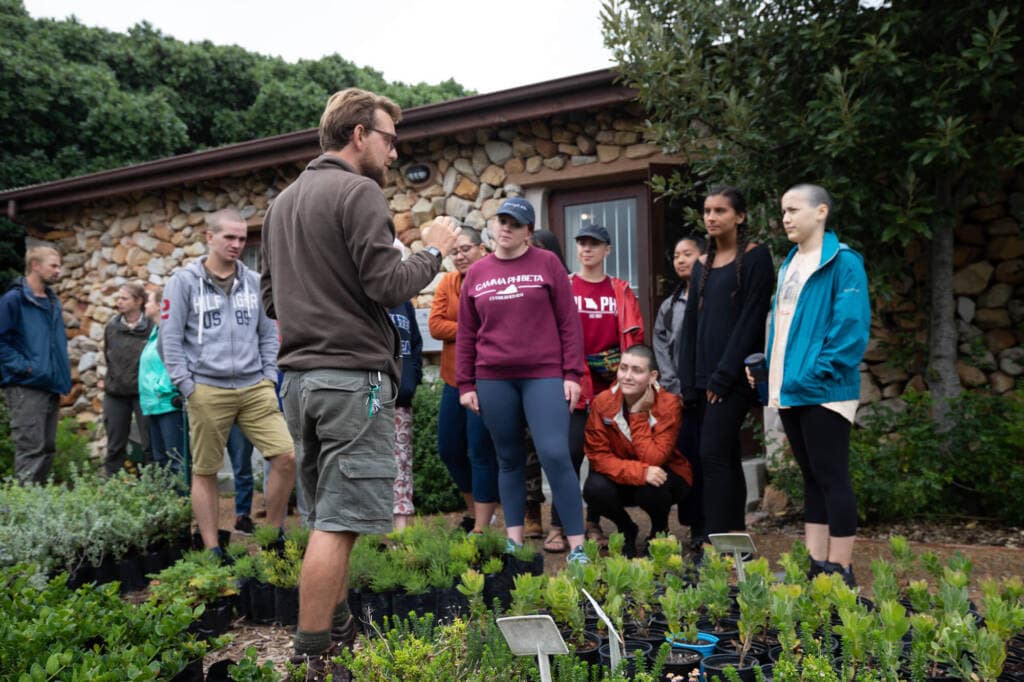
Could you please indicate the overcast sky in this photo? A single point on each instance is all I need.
(486, 46)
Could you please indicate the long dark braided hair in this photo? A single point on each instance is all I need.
(739, 204)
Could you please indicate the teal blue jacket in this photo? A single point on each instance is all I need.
(830, 329)
(156, 391)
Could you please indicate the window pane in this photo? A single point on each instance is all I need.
(619, 218)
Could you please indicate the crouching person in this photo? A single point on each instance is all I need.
(630, 442)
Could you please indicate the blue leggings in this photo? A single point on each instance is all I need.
(503, 405)
(459, 432)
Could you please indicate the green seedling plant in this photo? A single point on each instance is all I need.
(528, 594)
(931, 564)
(617, 576)
(641, 594)
(989, 652)
(885, 585)
(616, 541)
(492, 566)
(284, 570)
(754, 605)
(919, 596)
(793, 572)
(714, 577)
(855, 630)
(783, 603)
(1003, 617)
(664, 551)
(681, 608)
(902, 558)
(265, 536)
(892, 626)
(952, 597)
(955, 639)
(471, 586)
(562, 598)
(924, 633)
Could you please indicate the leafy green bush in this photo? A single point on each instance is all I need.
(902, 466)
(433, 490)
(55, 633)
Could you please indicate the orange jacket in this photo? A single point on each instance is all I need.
(443, 324)
(622, 449)
(631, 332)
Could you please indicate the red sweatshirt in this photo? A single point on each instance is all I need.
(517, 320)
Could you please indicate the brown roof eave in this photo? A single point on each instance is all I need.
(539, 100)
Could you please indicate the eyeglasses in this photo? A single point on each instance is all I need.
(392, 138)
(464, 250)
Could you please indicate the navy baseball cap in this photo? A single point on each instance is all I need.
(594, 231)
(519, 209)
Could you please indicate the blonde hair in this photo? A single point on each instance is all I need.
(38, 254)
(348, 108)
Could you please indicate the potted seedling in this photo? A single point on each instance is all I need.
(528, 594)
(562, 598)
(471, 586)
(681, 608)
(891, 626)
(283, 571)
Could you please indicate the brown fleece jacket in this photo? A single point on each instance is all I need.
(330, 271)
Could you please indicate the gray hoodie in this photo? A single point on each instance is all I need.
(209, 338)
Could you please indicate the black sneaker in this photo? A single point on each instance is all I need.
(629, 546)
(846, 573)
(816, 568)
(243, 525)
(468, 523)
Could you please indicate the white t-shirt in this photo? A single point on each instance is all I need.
(799, 270)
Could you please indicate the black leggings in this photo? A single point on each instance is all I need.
(725, 488)
(820, 439)
(610, 499)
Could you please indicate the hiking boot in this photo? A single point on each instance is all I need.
(344, 636)
(243, 524)
(532, 525)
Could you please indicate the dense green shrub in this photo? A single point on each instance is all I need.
(433, 490)
(55, 633)
(902, 466)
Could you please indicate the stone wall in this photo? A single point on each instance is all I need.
(989, 287)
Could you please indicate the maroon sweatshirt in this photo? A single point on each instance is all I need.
(517, 320)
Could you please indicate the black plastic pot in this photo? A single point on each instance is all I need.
(589, 651)
(130, 573)
(375, 607)
(106, 572)
(681, 662)
(725, 628)
(404, 603)
(632, 646)
(499, 586)
(450, 604)
(758, 651)
(193, 672)
(245, 598)
(261, 602)
(286, 605)
(534, 567)
(153, 562)
(714, 667)
(216, 619)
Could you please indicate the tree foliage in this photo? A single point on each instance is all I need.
(76, 99)
(904, 110)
